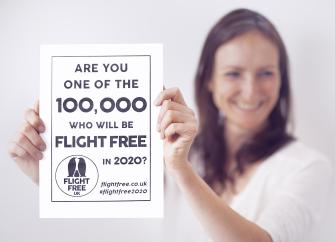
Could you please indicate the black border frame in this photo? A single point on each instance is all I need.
(51, 137)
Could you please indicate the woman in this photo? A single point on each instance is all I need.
(248, 179)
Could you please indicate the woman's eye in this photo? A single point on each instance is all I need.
(266, 73)
(234, 74)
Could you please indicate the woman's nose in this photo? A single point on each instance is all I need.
(250, 88)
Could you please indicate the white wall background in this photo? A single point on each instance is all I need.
(306, 27)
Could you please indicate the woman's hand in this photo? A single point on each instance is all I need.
(26, 148)
(177, 125)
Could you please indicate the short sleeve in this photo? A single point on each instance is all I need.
(299, 202)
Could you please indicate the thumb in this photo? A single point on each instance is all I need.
(37, 106)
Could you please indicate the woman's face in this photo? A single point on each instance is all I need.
(246, 80)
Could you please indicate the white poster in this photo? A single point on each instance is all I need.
(104, 157)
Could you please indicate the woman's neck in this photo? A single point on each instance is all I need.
(235, 137)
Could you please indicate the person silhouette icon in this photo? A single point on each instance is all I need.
(76, 168)
(71, 167)
(82, 166)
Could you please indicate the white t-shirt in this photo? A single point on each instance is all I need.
(286, 196)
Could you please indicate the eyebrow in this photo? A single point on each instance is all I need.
(241, 68)
(269, 67)
(231, 67)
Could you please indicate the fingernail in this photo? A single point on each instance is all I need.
(41, 128)
(157, 100)
(42, 147)
(39, 156)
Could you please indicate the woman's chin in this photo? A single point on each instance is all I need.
(249, 125)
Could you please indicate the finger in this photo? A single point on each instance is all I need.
(170, 105)
(172, 116)
(15, 150)
(171, 93)
(33, 136)
(25, 144)
(27, 164)
(175, 130)
(37, 106)
(19, 154)
(34, 120)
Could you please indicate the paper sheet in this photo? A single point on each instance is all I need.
(104, 157)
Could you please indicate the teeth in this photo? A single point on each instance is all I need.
(246, 106)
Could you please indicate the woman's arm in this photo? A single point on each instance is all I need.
(178, 127)
(220, 221)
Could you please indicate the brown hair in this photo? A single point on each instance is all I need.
(210, 141)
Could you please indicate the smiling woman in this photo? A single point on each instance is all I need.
(249, 179)
(245, 85)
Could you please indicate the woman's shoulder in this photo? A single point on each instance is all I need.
(297, 149)
(297, 155)
(298, 181)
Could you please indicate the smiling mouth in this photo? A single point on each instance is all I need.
(249, 107)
